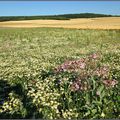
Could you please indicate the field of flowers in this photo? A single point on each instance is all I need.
(55, 73)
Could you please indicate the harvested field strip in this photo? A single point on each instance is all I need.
(83, 23)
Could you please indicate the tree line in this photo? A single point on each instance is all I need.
(54, 17)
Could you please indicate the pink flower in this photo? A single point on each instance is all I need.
(71, 65)
(82, 65)
(110, 83)
(94, 56)
(78, 85)
(75, 86)
(102, 71)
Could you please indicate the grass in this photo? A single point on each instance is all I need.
(29, 54)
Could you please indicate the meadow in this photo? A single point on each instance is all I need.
(55, 73)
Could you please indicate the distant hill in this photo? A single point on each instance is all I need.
(54, 17)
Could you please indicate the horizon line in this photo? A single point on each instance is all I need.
(58, 14)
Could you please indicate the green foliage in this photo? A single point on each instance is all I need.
(54, 17)
(55, 73)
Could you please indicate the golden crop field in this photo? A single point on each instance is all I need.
(81, 23)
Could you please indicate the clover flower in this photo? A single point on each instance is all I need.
(94, 56)
(110, 83)
(79, 85)
(102, 71)
(71, 65)
(75, 87)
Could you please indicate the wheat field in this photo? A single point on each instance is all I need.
(81, 23)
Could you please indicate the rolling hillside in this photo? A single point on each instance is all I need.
(54, 17)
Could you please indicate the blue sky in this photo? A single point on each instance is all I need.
(19, 8)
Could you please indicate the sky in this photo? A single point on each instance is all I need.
(28, 8)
